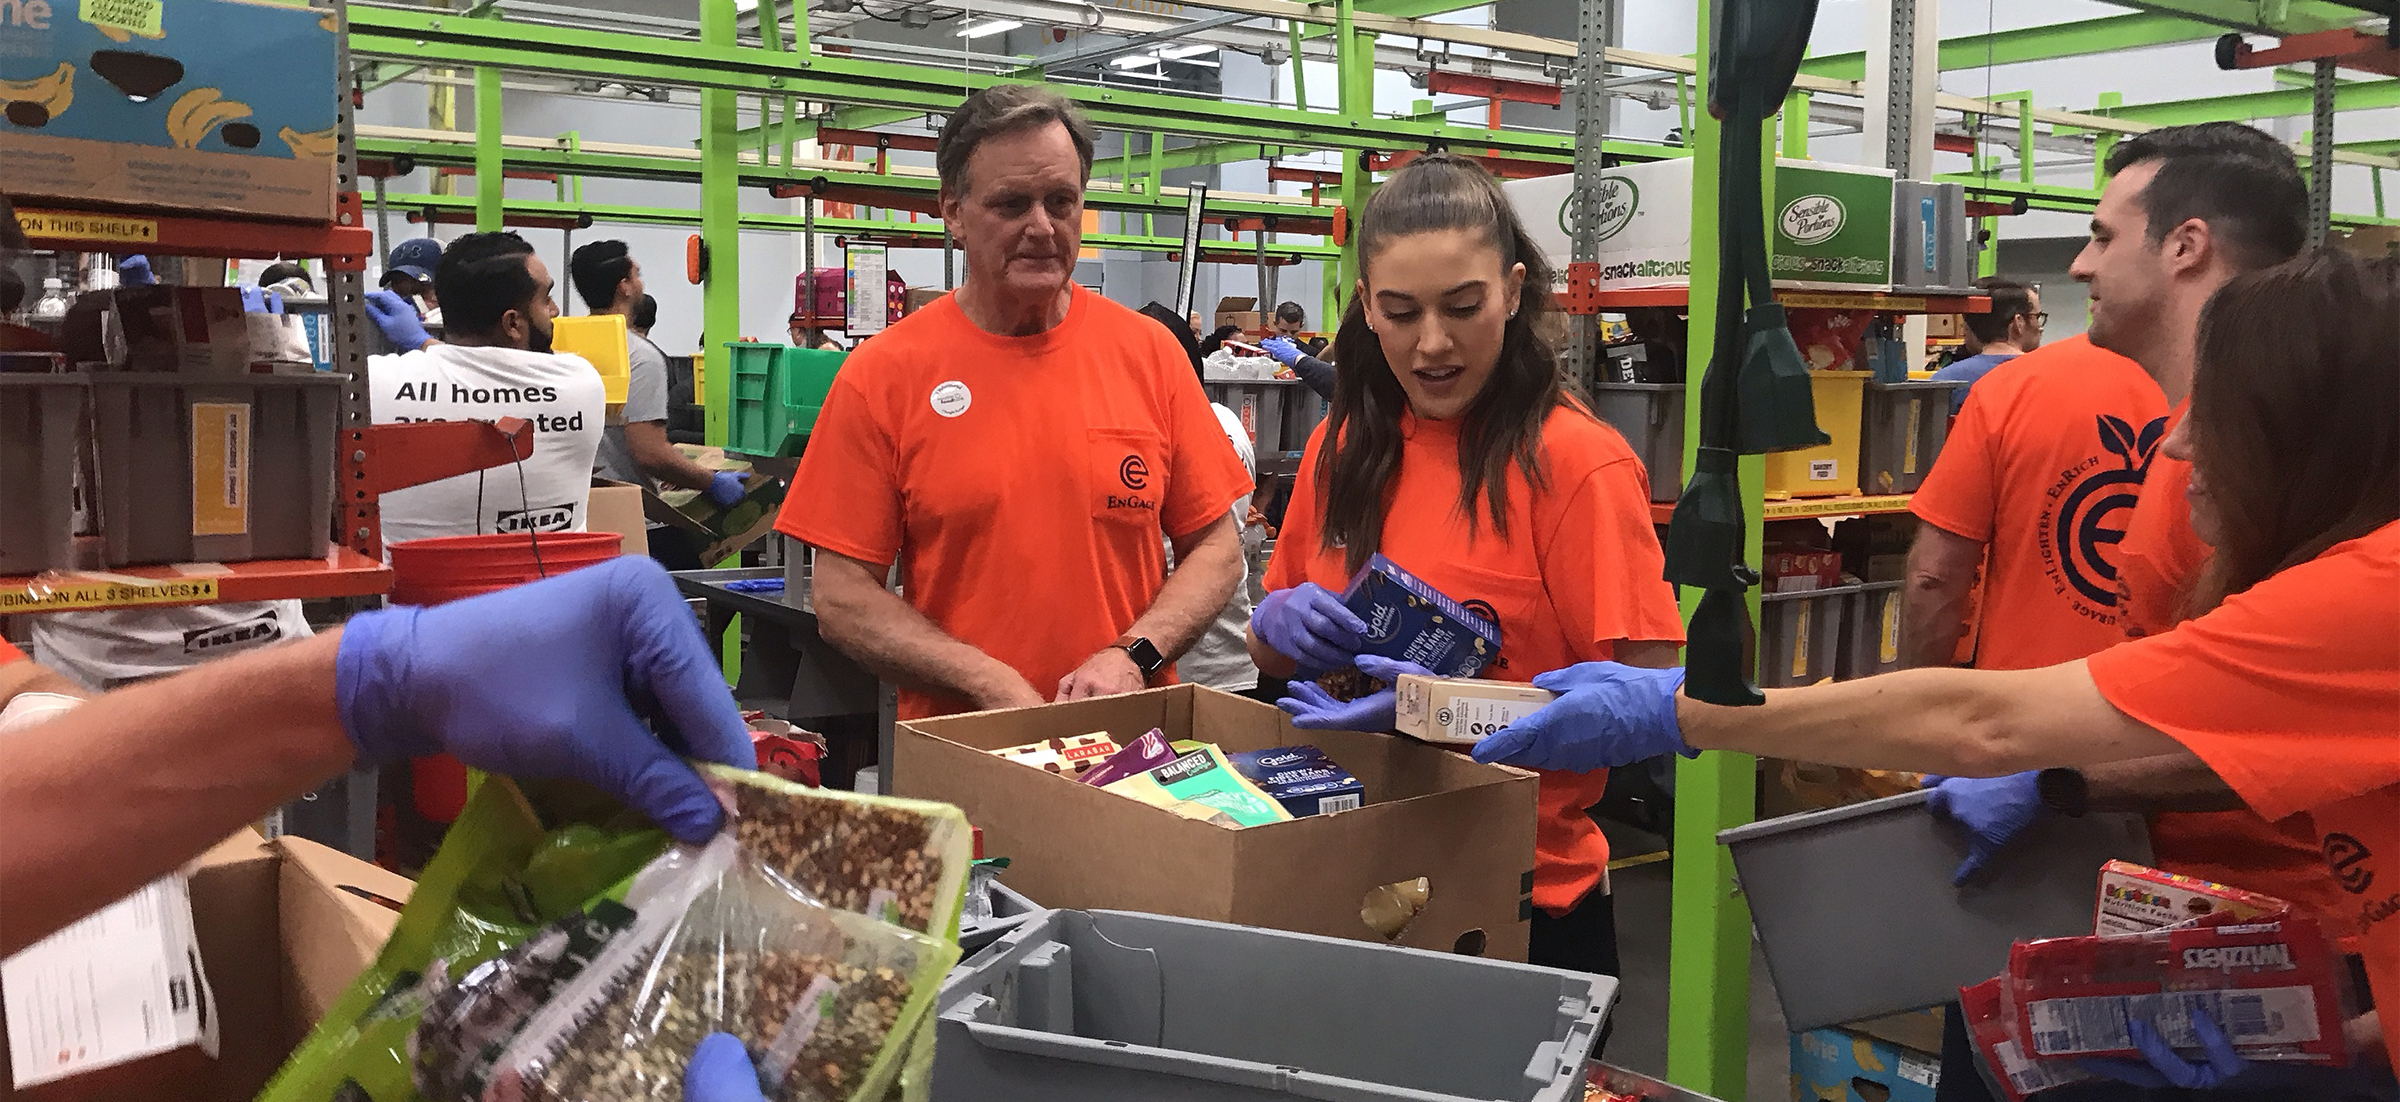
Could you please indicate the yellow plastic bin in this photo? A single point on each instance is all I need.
(1830, 470)
(599, 338)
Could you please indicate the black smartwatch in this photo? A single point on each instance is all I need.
(2064, 791)
(1145, 656)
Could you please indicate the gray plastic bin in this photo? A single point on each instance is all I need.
(1871, 632)
(1906, 425)
(40, 418)
(1855, 913)
(1262, 406)
(1651, 417)
(1102, 1006)
(142, 438)
(1800, 635)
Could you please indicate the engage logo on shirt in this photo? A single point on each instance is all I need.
(2090, 503)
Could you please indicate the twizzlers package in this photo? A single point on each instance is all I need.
(2273, 987)
(2006, 1069)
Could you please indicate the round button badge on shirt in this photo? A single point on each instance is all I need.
(951, 398)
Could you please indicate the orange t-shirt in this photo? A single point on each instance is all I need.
(2160, 557)
(1580, 569)
(2042, 468)
(2157, 563)
(2290, 691)
(1027, 484)
(9, 653)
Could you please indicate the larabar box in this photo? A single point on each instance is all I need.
(2136, 899)
(1460, 711)
(1411, 621)
(2273, 987)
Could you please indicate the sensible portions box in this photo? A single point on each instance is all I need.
(1457, 836)
(1832, 224)
(223, 106)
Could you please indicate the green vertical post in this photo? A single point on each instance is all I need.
(1354, 63)
(491, 187)
(2025, 136)
(1708, 958)
(1299, 68)
(1154, 181)
(2375, 176)
(720, 223)
(1795, 125)
(2105, 142)
(800, 26)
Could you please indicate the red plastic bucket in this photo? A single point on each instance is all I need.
(446, 568)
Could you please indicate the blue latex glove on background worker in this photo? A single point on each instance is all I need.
(1283, 349)
(627, 688)
(1993, 809)
(1309, 624)
(726, 487)
(1312, 708)
(2221, 1067)
(397, 320)
(134, 271)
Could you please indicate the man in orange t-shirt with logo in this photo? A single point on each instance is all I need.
(1025, 448)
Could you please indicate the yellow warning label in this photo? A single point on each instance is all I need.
(1889, 651)
(70, 595)
(88, 227)
(143, 17)
(220, 468)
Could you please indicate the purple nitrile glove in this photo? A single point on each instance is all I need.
(1993, 809)
(1313, 708)
(725, 487)
(397, 320)
(1309, 624)
(134, 271)
(721, 1071)
(2222, 1067)
(1283, 350)
(1607, 714)
(614, 653)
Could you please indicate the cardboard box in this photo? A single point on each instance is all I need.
(1466, 828)
(2136, 899)
(1241, 312)
(1460, 711)
(617, 507)
(192, 330)
(280, 937)
(1832, 224)
(723, 530)
(1802, 570)
(1836, 1065)
(210, 105)
(922, 297)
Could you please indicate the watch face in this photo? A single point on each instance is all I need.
(1145, 656)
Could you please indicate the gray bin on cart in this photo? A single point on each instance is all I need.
(1871, 632)
(1101, 1006)
(1800, 635)
(1857, 918)
(1650, 415)
(1906, 425)
(40, 417)
(142, 438)
(1260, 405)
(1009, 911)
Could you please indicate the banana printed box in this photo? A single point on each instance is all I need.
(221, 106)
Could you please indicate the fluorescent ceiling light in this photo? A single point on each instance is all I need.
(1192, 61)
(1134, 60)
(995, 26)
(1180, 52)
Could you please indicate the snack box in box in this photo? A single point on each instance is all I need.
(1460, 711)
(2136, 899)
(1427, 812)
(211, 105)
(1411, 621)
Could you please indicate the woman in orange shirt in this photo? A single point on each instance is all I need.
(1455, 448)
(2287, 688)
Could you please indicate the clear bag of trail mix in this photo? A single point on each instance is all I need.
(904, 861)
(608, 1005)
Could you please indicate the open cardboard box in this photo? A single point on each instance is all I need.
(280, 939)
(1242, 312)
(1466, 828)
(617, 507)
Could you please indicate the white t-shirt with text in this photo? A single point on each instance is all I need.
(560, 393)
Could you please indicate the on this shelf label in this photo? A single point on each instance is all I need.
(66, 596)
(220, 468)
(88, 227)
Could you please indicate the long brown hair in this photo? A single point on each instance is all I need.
(1504, 422)
(2296, 413)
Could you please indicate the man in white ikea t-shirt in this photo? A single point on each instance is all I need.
(494, 361)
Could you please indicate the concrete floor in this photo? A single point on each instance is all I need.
(1639, 1039)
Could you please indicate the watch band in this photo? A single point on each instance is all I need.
(2065, 791)
(1144, 654)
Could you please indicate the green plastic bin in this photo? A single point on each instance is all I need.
(777, 392)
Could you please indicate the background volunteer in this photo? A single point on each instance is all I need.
(1024, 447)
(637, 451)
(2012, 328)
(2287, 689)
(496, 362)
(1454, 448)
(1220, 657)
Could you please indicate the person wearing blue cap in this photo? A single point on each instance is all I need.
(408, 272)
